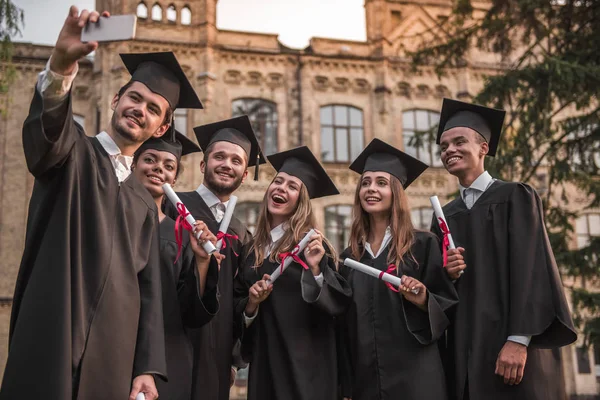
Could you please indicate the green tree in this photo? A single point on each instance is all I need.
(548, 79)
(11, 21)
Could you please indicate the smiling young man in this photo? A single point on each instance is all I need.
(512, 316)
(87, 320)
(230, 147)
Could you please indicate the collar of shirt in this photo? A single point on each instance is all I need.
(387, 237)
(276, 234)
(121, 163)
(209, 197)
(480, 184)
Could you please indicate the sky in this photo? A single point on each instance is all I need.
(294, 21)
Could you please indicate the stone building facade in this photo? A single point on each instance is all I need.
(333, 96)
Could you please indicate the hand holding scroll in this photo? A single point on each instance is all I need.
(414, 291)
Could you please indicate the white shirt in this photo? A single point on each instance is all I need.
(387, 237)
(54, 89)
(276, 234)
(470, 196)
(213, 202)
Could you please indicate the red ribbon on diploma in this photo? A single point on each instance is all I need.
(294, 255)
(391, 268)
(180, 223)
(223, 236)
(446, 240)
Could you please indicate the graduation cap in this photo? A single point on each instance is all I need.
(483, 120)
(179, 147)
(236, 130)
(301, 163)
(380, 156)
(163, 75)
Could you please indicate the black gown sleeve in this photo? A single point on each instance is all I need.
(344, 359)
(150, 355)
(197, 310)
(334, 296)
(427, 327)
(538, 307)
(48, 137)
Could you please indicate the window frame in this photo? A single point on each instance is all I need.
(349, 127)
(259, 125)
(433, 159)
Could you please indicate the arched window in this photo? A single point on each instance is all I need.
(186, 16)
(263, 115)
(421, 217)
(338, 221)
(180, 118)
(341, 133)
(156, 12)
(416, 126)
(586, 227)
(248, 212)
(171, 13)
(142, 10)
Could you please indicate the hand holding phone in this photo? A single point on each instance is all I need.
(110, 29)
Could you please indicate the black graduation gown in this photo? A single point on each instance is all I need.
(183, 309)
(390, 344)
(214, 343)
(87, 310)
(511, 287)
(291, 344)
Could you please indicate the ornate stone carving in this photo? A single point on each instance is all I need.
(321, 83)
(361, 86)
(404, 90)
(274, 80)
(233, 76)
(255, 78)
(423, 91)
(341, 84)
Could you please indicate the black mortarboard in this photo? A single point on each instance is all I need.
(301, 163)
(483, 120)
(380, 156)
(162, 74)
(236, 130)
(178, 147)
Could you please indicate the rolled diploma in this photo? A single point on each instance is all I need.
(140, 396)
(439, 214)
(288, 261)
(207, 246)
(226, 219)
(374, 272)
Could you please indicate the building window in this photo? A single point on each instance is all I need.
(341, 133)
(80, 119)
(248, 212)
(416, 126)
(263, 115)
(421, 217)
(142, 10)
(338, 221)
(587, 226)
(186, 16)
(171, 14)
(156, 12)
(180, 120)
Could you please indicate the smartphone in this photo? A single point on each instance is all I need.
(110, 29)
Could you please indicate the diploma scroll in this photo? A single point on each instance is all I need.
(140, 396)
(374, 272)
(441, 220)
(226, 219)
(207, 246)
(297, 250)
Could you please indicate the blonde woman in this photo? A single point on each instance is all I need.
(388, 336)
(288, 326)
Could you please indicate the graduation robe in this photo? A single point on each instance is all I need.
(87, 310)
(389, 344)
(511, 287)
(291, 344)
(183, 308)
(214, 343)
